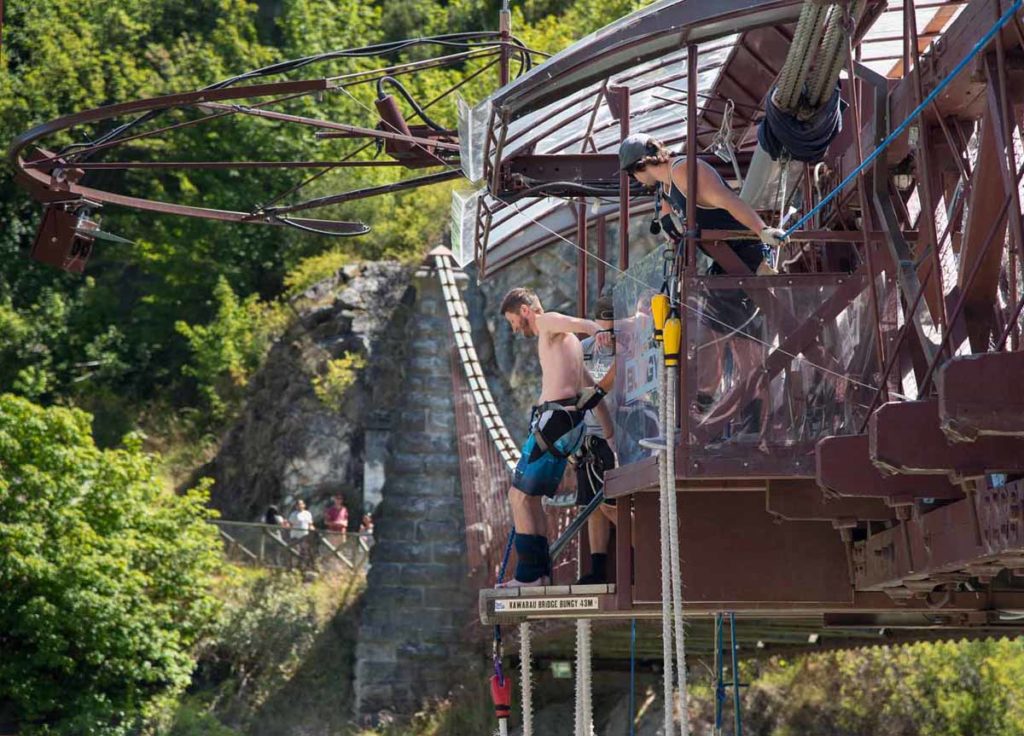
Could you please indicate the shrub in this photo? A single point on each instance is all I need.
(104, 578)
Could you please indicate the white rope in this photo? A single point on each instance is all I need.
(666, 590)
(673, 525)
(584, 704)
(524, 677)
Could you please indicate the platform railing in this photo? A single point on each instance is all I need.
(267, 545)
(772, 364)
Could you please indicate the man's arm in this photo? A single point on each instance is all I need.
(556, 323)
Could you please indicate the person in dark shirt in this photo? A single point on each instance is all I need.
(730, 314)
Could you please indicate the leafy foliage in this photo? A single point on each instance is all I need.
(341, 374)
(279, 660)
(104, 578)
(313, 270)
(226, 351)
(108, 343)
(930, 688)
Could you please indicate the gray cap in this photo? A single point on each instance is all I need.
(634, 148)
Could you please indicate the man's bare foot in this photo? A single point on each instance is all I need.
(539, 582)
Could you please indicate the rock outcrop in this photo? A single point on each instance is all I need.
(288, 444)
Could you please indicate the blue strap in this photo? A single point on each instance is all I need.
(496, 651)
(632, 680)
(982, 42)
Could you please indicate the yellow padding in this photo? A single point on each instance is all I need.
(672, 336)
(659, 310)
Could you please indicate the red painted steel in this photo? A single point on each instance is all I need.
(804, 500)
(982, 395)
(906, 438)
(944, 546)
(845, 468)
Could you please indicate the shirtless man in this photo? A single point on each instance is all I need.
(556, 427)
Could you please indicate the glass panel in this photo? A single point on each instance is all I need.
(777, 363)
(638, 357)
(773, 364)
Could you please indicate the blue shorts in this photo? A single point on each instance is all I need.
(542, 476)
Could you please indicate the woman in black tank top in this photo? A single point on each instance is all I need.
(647, 161)
(729, 313)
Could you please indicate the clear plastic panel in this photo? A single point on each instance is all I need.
(638, 358)
(773, 364)
(778, 362)
(472, 134)
(464, 206)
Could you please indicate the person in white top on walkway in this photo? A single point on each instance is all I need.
(300, 521)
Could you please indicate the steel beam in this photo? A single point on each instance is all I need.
(985, 209)
(943, 547)
(981, 395)
(746, 558)
(621, 107)
(590, 169)
(844, 467)
(905, 437)
(803, 500)
(899, 249)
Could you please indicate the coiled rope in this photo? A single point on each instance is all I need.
(982, 42)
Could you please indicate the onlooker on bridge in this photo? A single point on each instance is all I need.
(366, 527)
(273, 517)
(336, 517)
(300, 521)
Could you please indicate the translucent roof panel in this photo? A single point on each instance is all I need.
(882, 46)
(578, 119)
(654, 107)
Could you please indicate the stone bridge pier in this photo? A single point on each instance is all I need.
(418, 636)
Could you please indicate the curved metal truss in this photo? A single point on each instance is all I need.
(63, 179)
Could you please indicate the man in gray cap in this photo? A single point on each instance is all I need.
(647, 161)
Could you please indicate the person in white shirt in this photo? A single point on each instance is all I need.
(300, 521)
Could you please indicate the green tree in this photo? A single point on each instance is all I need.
(104, 577)
(227, 351)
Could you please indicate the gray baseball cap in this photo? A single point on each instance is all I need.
(634, 148)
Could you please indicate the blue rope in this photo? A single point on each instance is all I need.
(737, 714)
(496, 649)
(508, 551)
(982, 42)
(632, 680)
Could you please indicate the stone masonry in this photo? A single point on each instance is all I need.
(413, 642)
